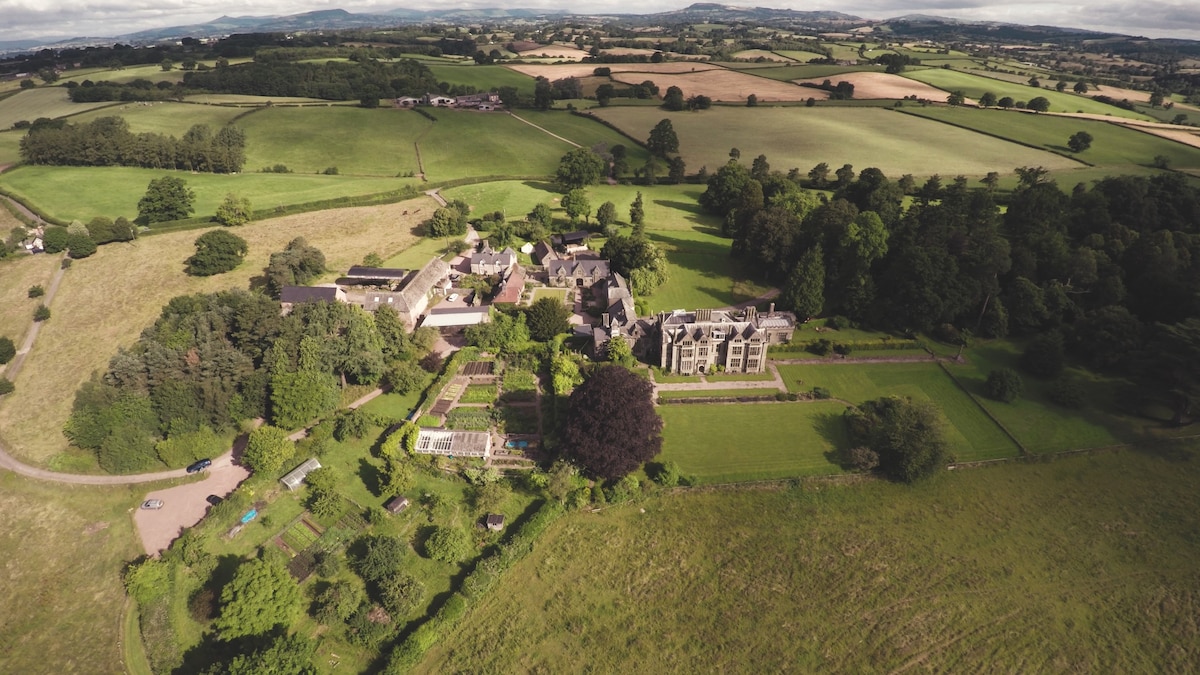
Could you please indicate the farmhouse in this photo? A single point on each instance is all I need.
(487, 261)
(571, 273)
(439, 100)
(699, 341)
(511, 286)
(290, 296)
(454, 443)
(490, 99)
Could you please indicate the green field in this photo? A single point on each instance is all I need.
(1080, 565)
(483, 78)
(798, 72)
(863, 137)
(82, 193)
(723, 443)
(466, 143)
(164, 117)
(1116, 147)
(586, 132)
(31, 104)
(971, 434)
(974, 86)
(10, 147)
(358, 141)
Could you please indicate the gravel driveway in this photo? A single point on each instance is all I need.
(185, 505)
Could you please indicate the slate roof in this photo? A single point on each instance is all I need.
(298, 294)
(578, 268)
(390, 274)
(421, 283)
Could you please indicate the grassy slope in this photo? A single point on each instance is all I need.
(16, 307)
(971, 434)
(41, 102)
(483, 78)
(974, 86)
(1084, 565)
(1115, 147)
(170, 118)
(63, 601)
(721, 443)
(468, 143)
(114, 294)
(864, 137)
(357, 141)
(585, 132)
(10, 146)
(74, 192)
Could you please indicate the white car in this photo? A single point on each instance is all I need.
(152, 504)
(452, 297)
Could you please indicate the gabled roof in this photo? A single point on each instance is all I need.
(362, 272)
(297, 294)
(571, 238)
(578, 268)
(544, 253)
(421, 283)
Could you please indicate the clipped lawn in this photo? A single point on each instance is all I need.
(1117, 148)
(971, 434)
(63, 548)
(353, 139)
(113, 295)
(974, 86)
(1084, 564)
(722, 443)
(560, 293)
(1038, 423)
(802, 137)
(396, 406)
(76, 192)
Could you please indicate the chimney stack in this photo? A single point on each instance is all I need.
(772, 310)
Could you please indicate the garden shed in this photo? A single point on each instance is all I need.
(295, 477)
(396, 504)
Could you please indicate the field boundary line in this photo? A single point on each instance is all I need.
(1020, 446)
(545, 130)
(991, 134)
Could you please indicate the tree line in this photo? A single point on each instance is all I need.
(331, 80)
(1109, 272)
(107, 141)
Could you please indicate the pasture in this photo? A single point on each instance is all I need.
(791, 72)
(725, 443)
(63, 547)
(31, 104)
(164, 117)
(970, 433)
(358, 141)
(19, 274)
(724, 85)
(75, 192)
(131, 282)
(863, 137)
(586, 132)
(10, 147)
(482, 78)
(871, 85)
(974, 86)
(1116, 146)
(467, 143)
(1083, 564)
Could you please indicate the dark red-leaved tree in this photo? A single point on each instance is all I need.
(612, 428)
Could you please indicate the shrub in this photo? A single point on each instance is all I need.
(948, 334)
(7, 350)
(36, 291)
(820, 347)
(842, 349)
(448, 544)
(821, 393)
(1066, 392)
(862, 459)
(1004, 385)
(6, 386)
(80, 246)
(41, 313)
(837, 322)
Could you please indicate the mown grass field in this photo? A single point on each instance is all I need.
(164, 117)
(1084, 564)
(466, 143)
(586, 132)
(483, 78)
(63, 548)
(974, 86)
(31, 104)
(970, 433)
(10, 147)
(76, 192)
(120, 290)
(358, 141)
(863, 137)
(1117, 148)
(724, 443)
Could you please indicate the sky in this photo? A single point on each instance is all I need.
(41, 19)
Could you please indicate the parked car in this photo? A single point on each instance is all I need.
(452, 297)
(213, 499)
(152, 504)
(198, 466)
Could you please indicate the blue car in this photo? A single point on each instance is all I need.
(198, 466)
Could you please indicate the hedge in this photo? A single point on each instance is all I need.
(856, 345)
(409, 652)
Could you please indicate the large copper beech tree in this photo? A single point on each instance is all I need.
(612, 427)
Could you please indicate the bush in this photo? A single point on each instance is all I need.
(448, 544)
(36, 291)
(862, 459)
(7, 350)
(1066, 392)
(6, 387)
(842, 349)
(820, 347)
(1004, 385)
(80, 246)
(41, 313)
(948, 334)
(821, 393)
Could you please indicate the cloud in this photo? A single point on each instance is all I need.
(24, 19)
